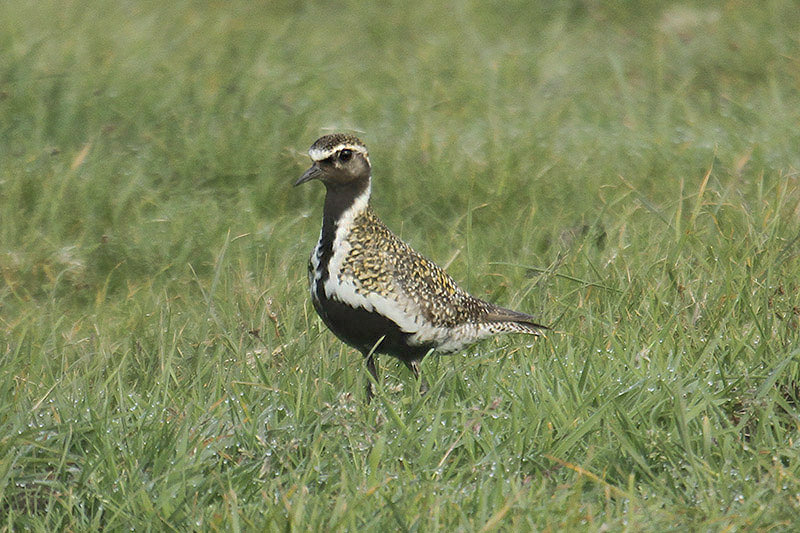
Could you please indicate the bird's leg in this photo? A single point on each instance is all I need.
(414, 367)
(374, 371)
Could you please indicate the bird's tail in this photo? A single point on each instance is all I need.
(516, 321)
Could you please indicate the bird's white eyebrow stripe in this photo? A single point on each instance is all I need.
(319, 154)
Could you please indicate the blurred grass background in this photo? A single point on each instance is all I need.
(627, 171)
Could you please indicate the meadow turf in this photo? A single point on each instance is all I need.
(625, 171)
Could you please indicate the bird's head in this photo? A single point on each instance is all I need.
(338, 159)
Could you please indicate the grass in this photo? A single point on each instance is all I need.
(627, 171)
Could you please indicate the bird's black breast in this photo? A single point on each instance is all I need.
(363, 329)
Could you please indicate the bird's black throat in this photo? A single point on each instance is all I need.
(338, 199)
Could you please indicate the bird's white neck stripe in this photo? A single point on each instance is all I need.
(345, 222)
(340, 247)
(344, 225)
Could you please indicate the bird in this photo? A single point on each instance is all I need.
(372, 290)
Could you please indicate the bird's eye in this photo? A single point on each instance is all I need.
(345, 155)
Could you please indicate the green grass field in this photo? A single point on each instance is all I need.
(628, 172)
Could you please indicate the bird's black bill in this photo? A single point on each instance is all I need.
(309, 174)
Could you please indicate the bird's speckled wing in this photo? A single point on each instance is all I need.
(379, 262)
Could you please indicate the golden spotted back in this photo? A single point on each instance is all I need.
(379, 262)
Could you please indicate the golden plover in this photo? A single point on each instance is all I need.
(371, 289)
